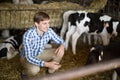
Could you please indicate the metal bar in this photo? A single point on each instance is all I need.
(82, 72)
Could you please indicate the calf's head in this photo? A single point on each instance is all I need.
(3, 52)
(95, 55)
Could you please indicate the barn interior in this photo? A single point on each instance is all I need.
(14, 17)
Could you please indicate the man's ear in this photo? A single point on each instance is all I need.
(36, 24)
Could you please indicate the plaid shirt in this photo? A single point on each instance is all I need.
(34, 44)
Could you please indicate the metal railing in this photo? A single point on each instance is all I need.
(82, 72)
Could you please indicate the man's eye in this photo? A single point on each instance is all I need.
(44, 23)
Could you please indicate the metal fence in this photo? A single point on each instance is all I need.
(83, 71)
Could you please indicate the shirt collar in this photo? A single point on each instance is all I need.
(37, 32)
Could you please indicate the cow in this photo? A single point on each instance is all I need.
(65, 22)
(92, 27)
(10, 47)
(73, 20)
(80, 22)
(67, 25)
(100, 53)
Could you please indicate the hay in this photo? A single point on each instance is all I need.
(20, 16)
(11, 69)
(98, 4)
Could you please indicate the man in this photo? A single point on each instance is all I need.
(33, 54)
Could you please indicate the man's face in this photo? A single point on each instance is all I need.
(43, 25)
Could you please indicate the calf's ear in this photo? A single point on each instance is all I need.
(3, 52)
(93, 48)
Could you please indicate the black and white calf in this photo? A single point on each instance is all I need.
(100, 53)
(65, 22)
(10, 47)
(80, 22)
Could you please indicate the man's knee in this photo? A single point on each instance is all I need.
(33, 71)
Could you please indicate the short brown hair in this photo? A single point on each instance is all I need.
(40, 16)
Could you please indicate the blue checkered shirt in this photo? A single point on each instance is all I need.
(34, 44)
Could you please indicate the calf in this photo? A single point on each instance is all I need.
(10, 47)
(100, 53)
(72, 24)
(65, 22)
(80, 22)
(112, 28)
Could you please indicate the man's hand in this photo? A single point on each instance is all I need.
(60, 51)
(52, 65)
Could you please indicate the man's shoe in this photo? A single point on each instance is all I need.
(47, 72)
(24, 77)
